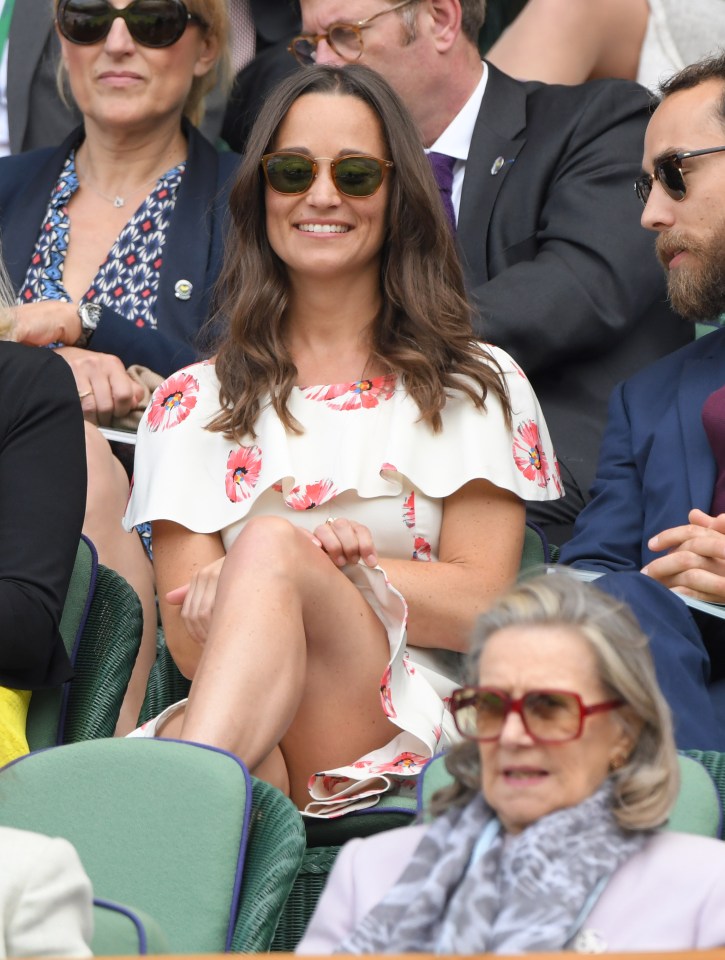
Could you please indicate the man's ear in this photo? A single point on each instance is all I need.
(446, 22)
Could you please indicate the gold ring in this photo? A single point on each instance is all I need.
(86, 393)
(330, 520)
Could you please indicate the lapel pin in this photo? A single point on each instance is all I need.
(182, 289)
(498, 165)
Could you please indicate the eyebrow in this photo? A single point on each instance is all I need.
(342, 152)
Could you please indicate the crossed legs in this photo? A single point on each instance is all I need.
(290, 673)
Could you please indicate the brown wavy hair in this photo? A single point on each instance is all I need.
(423, 331)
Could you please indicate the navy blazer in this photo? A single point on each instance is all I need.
(656, 463)
(564, 277)
(192, 251)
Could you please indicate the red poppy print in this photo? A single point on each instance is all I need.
(529, 455)
(243, 468)
(353, 396)
(172, 401)
(421, 549)
(411, 762)
(386, 695)
(311, 495)
(409, 510)
(389, 467)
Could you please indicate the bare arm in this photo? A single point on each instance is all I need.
(180, 556)
(570, 41)
(480, 552)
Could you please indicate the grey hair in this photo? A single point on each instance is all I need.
(646, 786)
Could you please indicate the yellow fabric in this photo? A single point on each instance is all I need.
(13, 716)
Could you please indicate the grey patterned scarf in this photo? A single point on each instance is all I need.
(525, 892)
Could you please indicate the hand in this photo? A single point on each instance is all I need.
(44, 322)
(346, 541)
(105, 389)
(694, 563)
(196, 599)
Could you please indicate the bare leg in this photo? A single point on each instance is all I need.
(294, 658)
(124, 553)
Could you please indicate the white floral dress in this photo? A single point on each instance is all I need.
(364, 455)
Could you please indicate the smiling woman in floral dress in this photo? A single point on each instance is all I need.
(338, 495)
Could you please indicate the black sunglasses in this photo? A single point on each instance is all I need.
(152, 23)
(357, 175)
(668, 173)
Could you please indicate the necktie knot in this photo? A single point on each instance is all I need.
(442, 166)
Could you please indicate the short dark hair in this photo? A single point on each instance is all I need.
(709, 68)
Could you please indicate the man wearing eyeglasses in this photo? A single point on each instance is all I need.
(563, 276)
(659, 496)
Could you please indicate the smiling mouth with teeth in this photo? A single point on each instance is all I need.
(322, 228)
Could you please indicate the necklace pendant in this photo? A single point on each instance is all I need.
(119, 202)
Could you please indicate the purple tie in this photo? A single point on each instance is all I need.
(713, 420)
(443, 172)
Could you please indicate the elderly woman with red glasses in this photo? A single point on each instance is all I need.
(549, 837)
(338, 494)
(113, 240)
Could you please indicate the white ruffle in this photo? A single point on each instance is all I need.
(182, 470)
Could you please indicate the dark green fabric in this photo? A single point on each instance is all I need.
(306, 892)
(166, 683)
(105, 658)
(45, 705)
(103, 662)
(274, 856)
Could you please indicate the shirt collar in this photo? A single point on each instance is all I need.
(455, 141)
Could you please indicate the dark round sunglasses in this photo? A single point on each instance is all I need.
(357, 175)
(152, 23)
(668, 173)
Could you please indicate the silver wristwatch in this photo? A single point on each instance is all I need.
(90, 316)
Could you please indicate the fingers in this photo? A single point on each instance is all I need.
(699, 535)
(346, 541)
(197, 600)
(697, 573)
(105, 389)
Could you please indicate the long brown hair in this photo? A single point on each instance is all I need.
(423, 331)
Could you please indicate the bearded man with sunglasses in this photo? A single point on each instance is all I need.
(657, 517)
(562, 275)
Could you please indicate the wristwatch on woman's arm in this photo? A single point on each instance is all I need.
(90, 316)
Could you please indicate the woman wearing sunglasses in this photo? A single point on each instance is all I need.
(549, 837)
(113, 240)
(340, 492)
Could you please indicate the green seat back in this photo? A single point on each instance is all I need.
(697, 810)
(101, 628)
(120, 931)
(159, 824)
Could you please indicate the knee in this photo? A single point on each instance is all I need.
(271, 542)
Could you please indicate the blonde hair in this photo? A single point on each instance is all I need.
(646, 786)
(215, 15)
(7, 302)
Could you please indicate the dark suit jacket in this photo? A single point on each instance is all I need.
(37, 116)
(193, 248)
(656, 463)
(564, 277)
